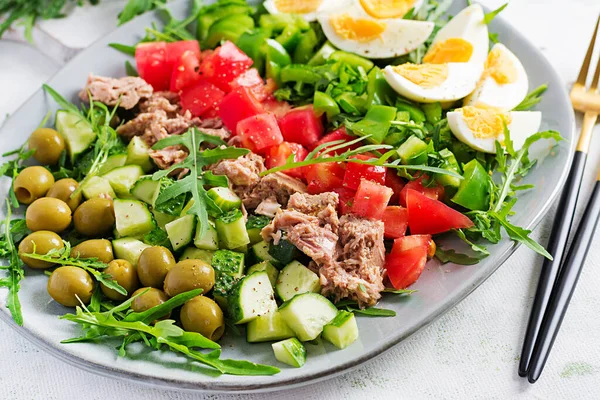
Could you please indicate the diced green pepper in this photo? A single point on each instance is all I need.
(290, 37)
(278, 22)
(397, 136)
(433, 112)
(403, 116)
(277, 58)
(378, 90)
(351, 103)
(228, 28)
(323, 54)
(252, 43)
(218, 10)
(474, 190)
(413, 152)
(376, 123)
(325, 104)
(351, 59)
(416, 114)
(306, 47)
(299, 73)
(448, 163)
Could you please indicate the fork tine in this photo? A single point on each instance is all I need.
(597, 73)
(588, 58)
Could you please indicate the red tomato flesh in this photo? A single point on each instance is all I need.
(407, 260)
(394, 182)
(355, 172)
(259, 132)
(238, 105)
(346, 199)
(185, 72)
(338, 134)
(151, 60)
(371, 199)
(434, 192)
(224, 64)
(251, 80)
(278, 155)
(300, 125)
(176, 49)
(201, 98)
(395, 220)
(428, 216)
(324, 177)
(278, 108)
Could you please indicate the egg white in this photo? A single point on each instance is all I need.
(504, 97)
(523, 124)
(271, 7)
(462, 79)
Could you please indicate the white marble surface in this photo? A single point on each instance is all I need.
(471, 352)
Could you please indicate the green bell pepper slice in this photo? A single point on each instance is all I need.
(252, 43)
(376, 123)
(325, 104)
(290, 37)
(413, 151)
(378, 90)
(448, 163)
(416, 114)
(433, 112)
(276, 58)
(217, 11)
(306, 47)
(351, 103)
(474, 190)
(351, 59)
(228, 28)
(299, 73)
(278, 22)
(323, 54)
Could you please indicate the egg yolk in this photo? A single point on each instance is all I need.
(500, 67)
(450, 50)
(297, 7)
(484, 122)
(424, 75)
(357, 29)
(387, 8)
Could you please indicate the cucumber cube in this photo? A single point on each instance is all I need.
(342, 331)
(210, 240)
(122, 179)
(260, 251)
(290, 352)
(145, 189)
(231, 230)
(250, 298)
(129, 249)
(268, 268)
(96, 186)
(132, 218)
(162, 219)
(413, 151)
(197, 254)
(137, 154)
(77, 132)
(181, 230)
(113, 161)
(225, 198)
(267, 328)
(296, 279)
(307, 314)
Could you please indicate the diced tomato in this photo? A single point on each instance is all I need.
(279, 108)
(225, 64)
(407, 260)
(278, 155)
(238, 105)
(176, 49)
(435, 191)
(252, 80)
(259, 132)
(346, 199)
(355, 172)
(185, 72)
(430, 216)
(300, 125)
(201, 98)
(395, 220)
(338, 134)
(371, 199)
(394, 182)
(324, 177)
(151, 60)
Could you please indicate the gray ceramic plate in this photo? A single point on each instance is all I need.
(440, 288)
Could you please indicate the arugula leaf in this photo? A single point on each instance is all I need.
(130, 69)
(15, 266)
(123, 48)
(11, 169)
(449, 255)
(533, 98)
(133, 8)
(488, 17)
(352, 306)
(400, 291)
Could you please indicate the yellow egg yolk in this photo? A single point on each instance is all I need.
(357, 29)
(387, 8)
(424, 75)
(450, 50)
(500, 67)
(484, 122)
(296, 6)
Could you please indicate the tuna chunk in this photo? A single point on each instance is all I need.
(129, 90)
(163, 101)
(322, 206)
(168, 156)
(278, 185)
(243, 172)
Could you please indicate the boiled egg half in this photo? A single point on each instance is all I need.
(350, 28)
(480, 128)
(307, 8)
(504, 82)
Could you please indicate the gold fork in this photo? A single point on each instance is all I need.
(536, 345)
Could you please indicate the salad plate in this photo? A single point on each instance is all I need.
(438, 290)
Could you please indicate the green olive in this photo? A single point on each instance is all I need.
(94, 248)
(63, 189)
(44, 242)
(153, 265)
(204, 316)
(67, 284)
(48, 214)
(125, 275)
(32, 183)
(151, 298)
(188, 275)
(94, 217)
(48, 145)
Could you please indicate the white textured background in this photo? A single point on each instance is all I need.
(471, 352)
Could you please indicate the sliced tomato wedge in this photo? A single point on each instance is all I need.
(406, 261)
(152, 66)
(201, 98)
(238, 105)
(278, 155)
(338, 134)
(355, 172)
(434, 191)
(224, 64)
(428, 216)
(301, 125)
(394, 182)
(185, 72)
(259, 132)
(371, 199)
(324, 177)
(346, 197)
(251, 79)
(395, 220)
(176, 49)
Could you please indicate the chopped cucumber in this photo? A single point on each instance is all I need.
(284, 252)
(187, 207)
(413, 151)
(416, 114)
(307, 314)
(77, 132)
(122, 179)
(145, 188)
(137, 154)
(450, 164)
(296, 279)
(267, 328)
(260, 251)
(113, 161)
(251, 297)
(210, 240)
(174, 205)
(254, 225)
(268, 268)
(342, 331)
(96, 186)
(129, 249)
(197, 254)
(225, 198)
(229, 268)
(181, 231)
(231, 230)
(132, 218)
(290, 352)
(162, 219)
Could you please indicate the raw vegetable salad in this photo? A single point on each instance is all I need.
(279, 169)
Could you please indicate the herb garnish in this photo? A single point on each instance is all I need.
(533, 98)
(352, 306)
